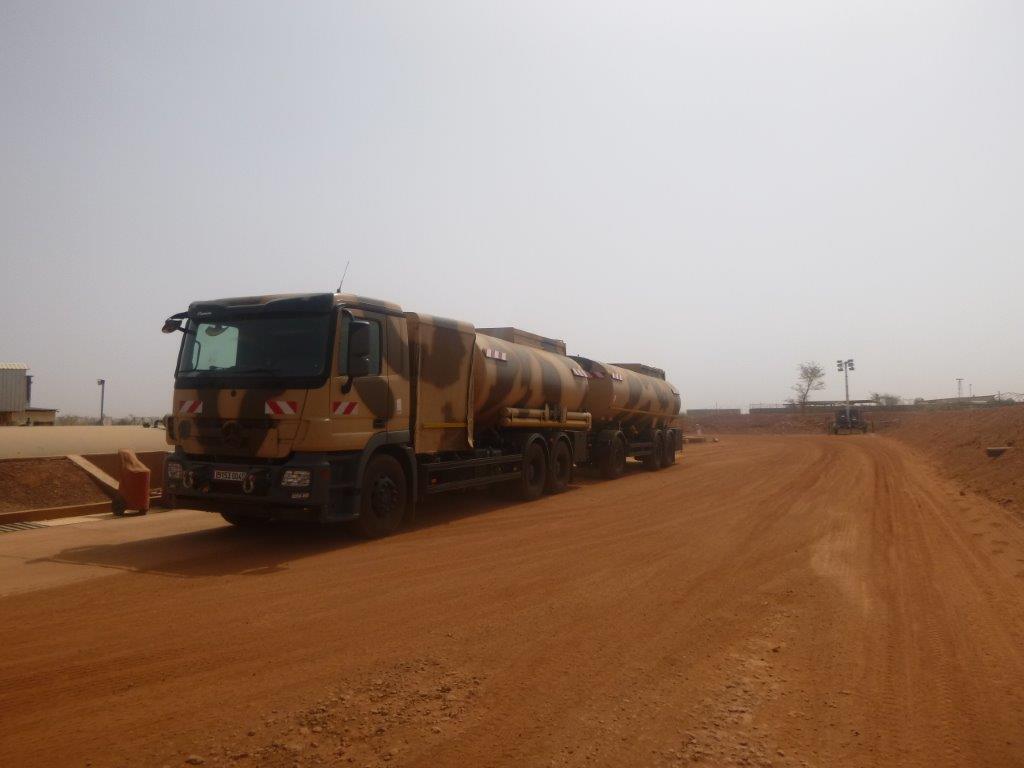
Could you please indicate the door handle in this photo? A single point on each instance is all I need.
(379, 423)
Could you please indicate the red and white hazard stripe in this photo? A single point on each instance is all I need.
(496, 354)
(616, 376)
(191, 407)
(345, 407)
(281, 407)
(581, 373)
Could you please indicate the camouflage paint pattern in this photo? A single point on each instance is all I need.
(509, 375)
(233, 422)
(442, 380)
(628, 398)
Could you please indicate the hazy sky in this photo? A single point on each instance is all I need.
(723, 189)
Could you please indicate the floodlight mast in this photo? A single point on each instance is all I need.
(103, 391)
(845, 366)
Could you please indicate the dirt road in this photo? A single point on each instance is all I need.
(785, 601)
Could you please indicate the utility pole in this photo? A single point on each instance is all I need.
(103, 392)
(959, 389)
(845, 366)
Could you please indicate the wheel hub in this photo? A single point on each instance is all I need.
(384, 496)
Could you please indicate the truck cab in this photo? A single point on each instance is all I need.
(277, 400)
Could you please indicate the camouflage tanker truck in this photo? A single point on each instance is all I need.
(336, 407)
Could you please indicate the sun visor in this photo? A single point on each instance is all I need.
(304, 304)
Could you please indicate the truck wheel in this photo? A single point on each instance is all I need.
(653, 460)
(243, 520)
(534, 477)
(613, 459)
(560, 472)
(383, 498)
(669, 456)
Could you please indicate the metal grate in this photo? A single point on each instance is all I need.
(11, 527)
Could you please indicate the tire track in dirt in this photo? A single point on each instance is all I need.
(783, 601)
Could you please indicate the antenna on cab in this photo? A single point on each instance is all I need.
(343, 276)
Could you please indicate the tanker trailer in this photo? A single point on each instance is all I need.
(341, 408)
(633, 408)
(509, 410)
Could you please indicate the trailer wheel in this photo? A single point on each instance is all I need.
(383, 498)
(669, 456)
(560, 472)
(612, 461)
(535, 471)
(654, 460)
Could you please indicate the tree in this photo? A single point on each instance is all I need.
(811, 380)
(885, 399)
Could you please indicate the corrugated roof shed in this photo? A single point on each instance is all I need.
(13, 367)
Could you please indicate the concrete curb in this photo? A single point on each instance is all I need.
(53, 513)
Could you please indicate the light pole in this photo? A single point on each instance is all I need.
(845, 366)
(103, 392)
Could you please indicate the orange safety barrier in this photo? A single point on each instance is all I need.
(133, 488)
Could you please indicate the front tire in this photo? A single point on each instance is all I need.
(383, 498)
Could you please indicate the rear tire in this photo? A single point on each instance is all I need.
(560, 471)
(669, 456)
(613, 459)
(535, 471)
(383, 498)
(654, 459)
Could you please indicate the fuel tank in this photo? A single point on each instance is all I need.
(507, 374)
(629, 394)
(524, 371)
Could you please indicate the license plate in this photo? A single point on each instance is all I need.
(228, 474)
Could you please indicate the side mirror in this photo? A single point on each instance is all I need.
(173, 323)
(358, 362)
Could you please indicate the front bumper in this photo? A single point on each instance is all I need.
(252, 488)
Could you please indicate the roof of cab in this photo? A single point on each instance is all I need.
(290, 302)
(351, 299)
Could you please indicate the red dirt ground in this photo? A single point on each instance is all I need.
(799, 600)
(38, 483)
(956, 441)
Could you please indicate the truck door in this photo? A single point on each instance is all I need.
(360, 396)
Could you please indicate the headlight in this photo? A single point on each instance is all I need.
(173, 470)
(295, 478)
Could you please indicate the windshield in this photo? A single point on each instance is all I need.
(267, 346)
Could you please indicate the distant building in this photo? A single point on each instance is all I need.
(16, 397)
